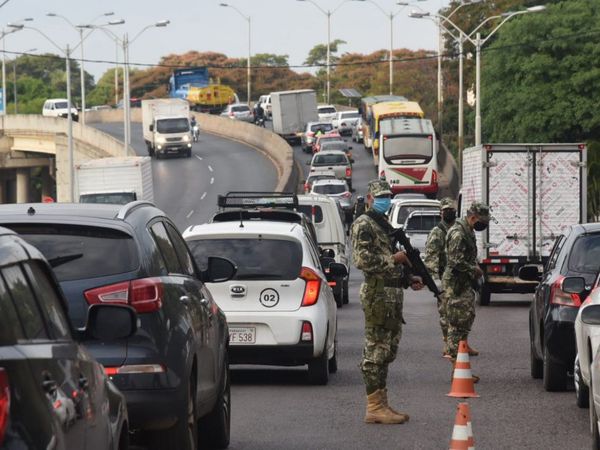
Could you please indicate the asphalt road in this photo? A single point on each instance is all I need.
(275, 408)
(187, 188)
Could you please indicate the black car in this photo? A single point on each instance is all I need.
(576, 253)
(53, 394)
(174, 371)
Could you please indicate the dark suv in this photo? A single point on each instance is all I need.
(52, 392)
(576, 253)
(174, 371)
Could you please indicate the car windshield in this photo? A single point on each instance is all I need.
(172, 126)
(253, 257)
(405, 211)
(329, 110)
(313, 212)
(324, 160)
(585, 254)
(240, 108)
(329, 189)
(422, 223)
(408, 147)
(334, 145)
(81, 252)
(312, 179)
(324, 127)
(60, 105)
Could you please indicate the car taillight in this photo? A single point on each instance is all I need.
(306, 188)
(434, 177)
(5, 403)
(559, 297)
(347, 194)
(144, 295)
(382, 174)
(312, 288)
(348, 172)
(496, 269)
(307, 332)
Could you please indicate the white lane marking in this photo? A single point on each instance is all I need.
(199, 157)
(212, 180)
(203, 195)
(210, 168)
(189, 214)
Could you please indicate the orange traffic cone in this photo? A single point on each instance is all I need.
(462, 434)
(462, 379)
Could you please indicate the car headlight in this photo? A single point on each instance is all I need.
(160, 140)
(186, 138)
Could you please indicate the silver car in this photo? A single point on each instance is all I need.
(335, 189)
(239, 111)
(418, 225)
(357, 131)
(345, 120)
(309, 136)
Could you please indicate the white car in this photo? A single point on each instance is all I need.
(239, 111)
(418, 225)
(326, 113)
(401, 209)
(587, 362)
(345, 121)
(58, 107)
(279, 307)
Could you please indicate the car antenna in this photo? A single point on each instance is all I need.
(31, 211)
(241, 218)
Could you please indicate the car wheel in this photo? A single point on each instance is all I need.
(593, 418)
(485, 295)
(333, 364)
(581, 390)
(537, 365)
(188, 154)
(345, 296)
(318, 369)
(184, 434)
(555, 374)
(215, 428)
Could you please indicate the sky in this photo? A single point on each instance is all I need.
(278, 26)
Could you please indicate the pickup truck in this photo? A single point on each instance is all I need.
(345, 121)
(332, 161)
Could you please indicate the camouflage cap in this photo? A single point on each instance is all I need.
(481, 209)
(379, 187)
(447, 203)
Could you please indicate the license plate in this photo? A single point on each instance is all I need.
(242, 335)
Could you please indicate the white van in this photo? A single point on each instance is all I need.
(57, 107)
(328, 221)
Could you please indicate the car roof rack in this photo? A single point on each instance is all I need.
(258, 199)
(250, 215)
(129, 207)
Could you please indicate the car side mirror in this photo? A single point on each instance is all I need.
(573, 285)
(590, 315)
(337, 270)
(110, 322)
(530, 273)
(219, 270)
(151, 127)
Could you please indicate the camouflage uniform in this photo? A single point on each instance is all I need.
(435, 260)
(459, 277)
(381, 293)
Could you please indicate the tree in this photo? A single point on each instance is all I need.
(318, 54)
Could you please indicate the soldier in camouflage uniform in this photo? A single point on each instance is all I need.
(461, 273)
(435, 257)
(381, 299)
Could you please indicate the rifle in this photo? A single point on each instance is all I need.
(418, 267)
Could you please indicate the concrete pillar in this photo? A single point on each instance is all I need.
(23, 185)
(63, 187)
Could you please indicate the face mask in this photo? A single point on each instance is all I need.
(449, 215)
(382, 204)
(480, 226)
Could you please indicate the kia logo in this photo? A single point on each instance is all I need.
(238, 290)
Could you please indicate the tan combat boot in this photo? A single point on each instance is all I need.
(378, 412)
(385, 402)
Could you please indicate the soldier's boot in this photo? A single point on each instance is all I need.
(385, 402)
(472, 351)
(378, 412)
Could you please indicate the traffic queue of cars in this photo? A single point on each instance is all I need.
(113, 324)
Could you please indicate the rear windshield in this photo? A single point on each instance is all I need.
(309, 210)
(255, 258)
(80, 252)
(324, 127)
(324, 160)
(585, 254)
(422, 223)
(405, 211)
(326, 110)
(117, 198)
(172, 126)
(334, 145)
(350, 115)
(408, 147)
(329, 189)
(240, 109)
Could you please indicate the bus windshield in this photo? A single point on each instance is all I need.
(408, 147)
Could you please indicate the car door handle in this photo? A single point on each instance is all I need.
(184, 299)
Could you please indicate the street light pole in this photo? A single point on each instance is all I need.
(248, 65)
(3, 75)
(478, 89)
(71, 160)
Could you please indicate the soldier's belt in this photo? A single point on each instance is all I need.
(376, 282)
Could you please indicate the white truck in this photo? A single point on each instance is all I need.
(117, 180)
(535, 191)
(291, 111)
(166, 125)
